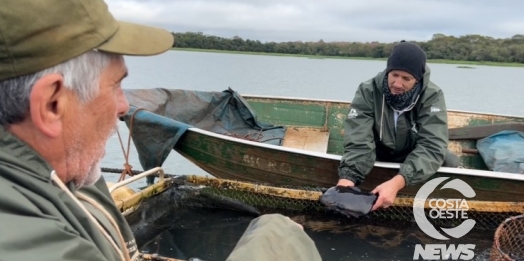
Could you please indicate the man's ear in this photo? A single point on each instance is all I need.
(47, 104)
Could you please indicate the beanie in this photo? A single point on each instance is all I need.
(407, 57)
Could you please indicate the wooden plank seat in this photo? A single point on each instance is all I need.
(306, 138)
(482, 131)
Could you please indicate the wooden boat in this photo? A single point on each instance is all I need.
(313, 145)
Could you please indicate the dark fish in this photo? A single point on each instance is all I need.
(349, 201)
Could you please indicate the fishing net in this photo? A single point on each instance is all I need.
(286, 199)
(506, 218)
(268, 198)
(509, 240)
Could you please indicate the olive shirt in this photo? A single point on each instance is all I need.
(419, 140)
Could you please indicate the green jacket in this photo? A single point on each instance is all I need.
(40, 221)
(274, 237)
(420, 139)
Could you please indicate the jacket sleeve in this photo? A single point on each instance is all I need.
(274, 237)
(432, 142)
(359, 146)
(24, 237)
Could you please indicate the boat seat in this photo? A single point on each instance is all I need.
(306, 138)
(483, 131)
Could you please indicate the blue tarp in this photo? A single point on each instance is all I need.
(154, 136)
(165, 115)
(503, 151)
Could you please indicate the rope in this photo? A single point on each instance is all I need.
(90, 216)
(127, 167)
(135, 172)
(101, 208)
(113, 170)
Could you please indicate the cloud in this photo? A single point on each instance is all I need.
(330, 20)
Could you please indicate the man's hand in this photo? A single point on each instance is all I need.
(345, 183)
(387, 192)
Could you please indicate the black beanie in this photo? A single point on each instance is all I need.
(407, 57)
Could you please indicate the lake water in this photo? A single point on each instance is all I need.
(482, 89)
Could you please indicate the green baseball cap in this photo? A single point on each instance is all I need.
(38, 34)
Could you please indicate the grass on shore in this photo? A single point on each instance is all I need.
(353, 58)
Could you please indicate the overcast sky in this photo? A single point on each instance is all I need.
(330, 20)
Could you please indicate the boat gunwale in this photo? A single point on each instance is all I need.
(379, 164)
(289, 98)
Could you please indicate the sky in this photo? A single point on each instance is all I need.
(330, 20)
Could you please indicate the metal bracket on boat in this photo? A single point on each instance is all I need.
(150, 172)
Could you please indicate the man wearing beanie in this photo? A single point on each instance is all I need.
(397, 116)
(61, 72)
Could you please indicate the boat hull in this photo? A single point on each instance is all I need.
(231, 158)
(237, 156)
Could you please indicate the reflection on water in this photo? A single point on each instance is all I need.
(212, 235)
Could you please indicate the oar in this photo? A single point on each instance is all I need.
(473, 205)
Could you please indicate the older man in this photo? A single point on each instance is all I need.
(61, 69)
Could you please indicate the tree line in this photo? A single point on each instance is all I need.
(475, 48)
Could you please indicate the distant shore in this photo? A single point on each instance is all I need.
(353, 58)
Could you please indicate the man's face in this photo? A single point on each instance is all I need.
(92, 123)
(400, 82)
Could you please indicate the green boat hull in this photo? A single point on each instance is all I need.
(234, 158)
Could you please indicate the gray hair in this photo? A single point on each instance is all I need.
(81, 75)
